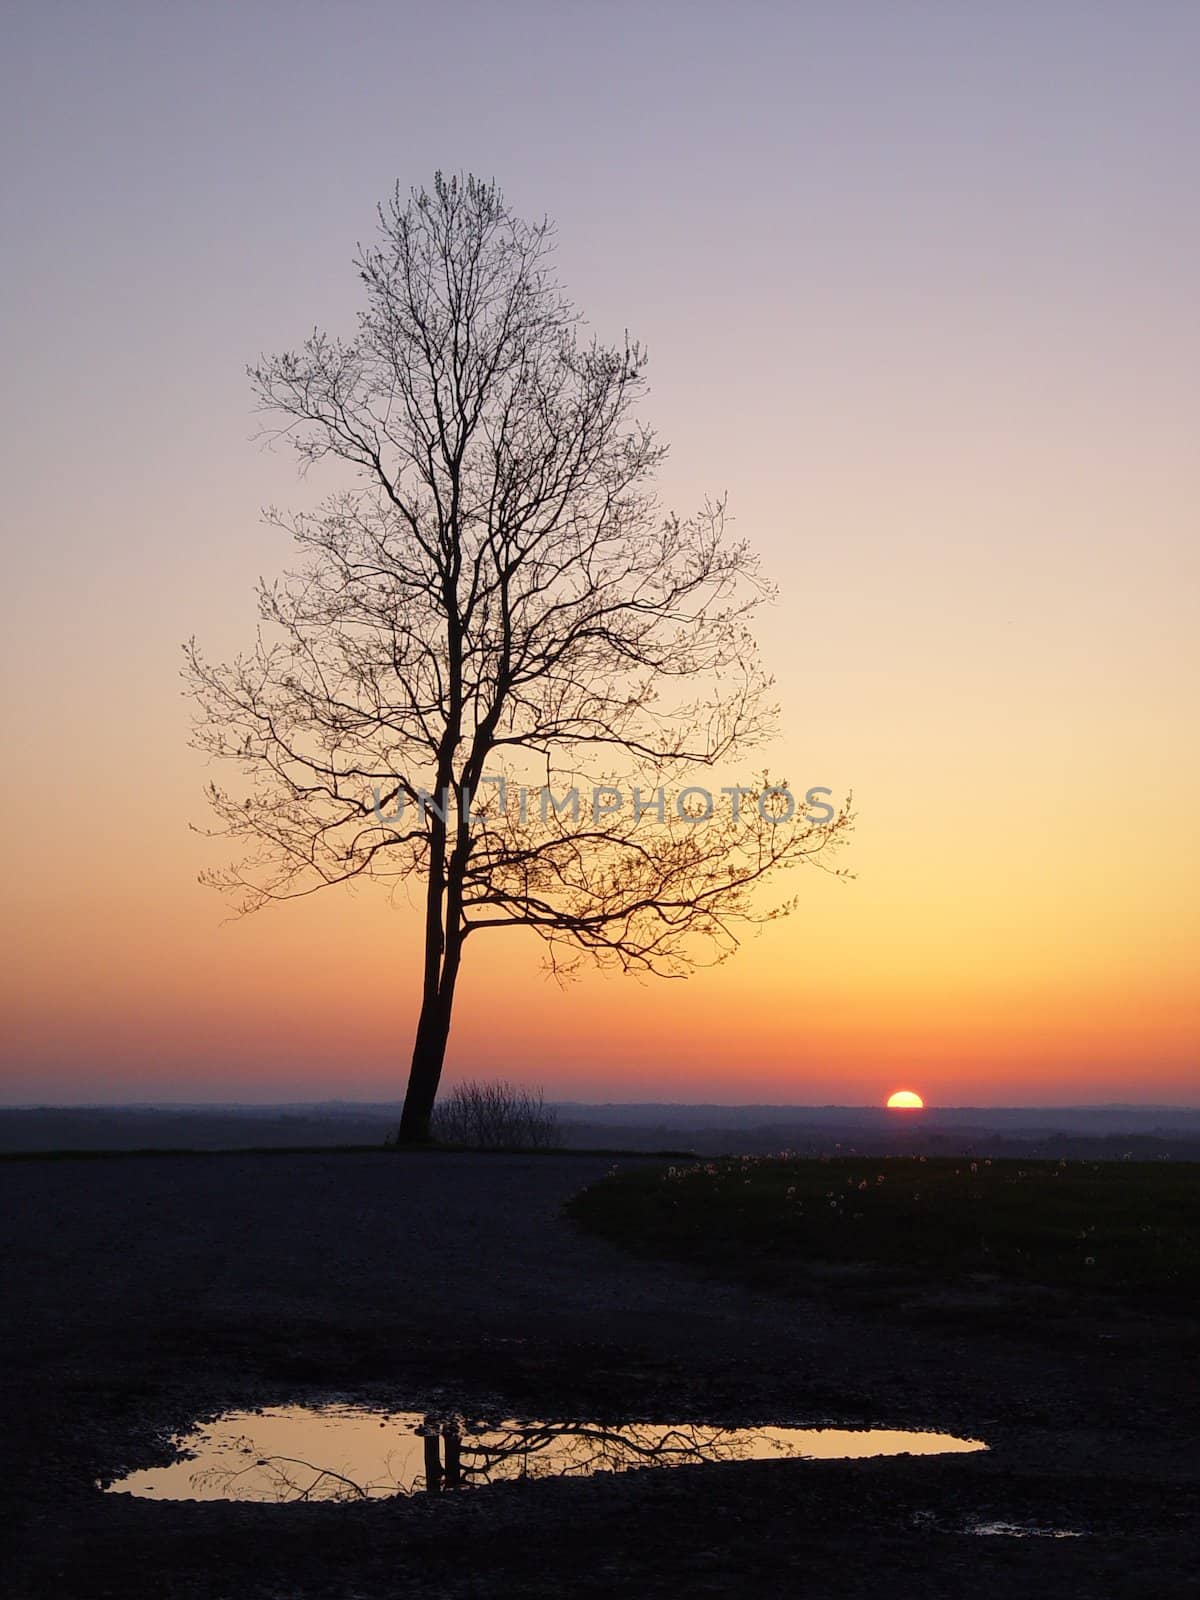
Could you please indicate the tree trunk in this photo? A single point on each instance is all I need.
(443, 952)
(433, 1464)
(452, 1451)
(429, 1051)
(424, 1075)
(429, 1046)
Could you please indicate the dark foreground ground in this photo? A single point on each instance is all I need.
(142, 1292)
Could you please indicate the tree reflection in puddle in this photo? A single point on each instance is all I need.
(342, 1453)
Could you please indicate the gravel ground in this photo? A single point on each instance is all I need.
(141, 1293)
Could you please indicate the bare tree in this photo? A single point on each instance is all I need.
(492, 600)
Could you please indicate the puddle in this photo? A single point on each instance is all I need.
(338, 1453)
(988, 1528)
(1021, 1530)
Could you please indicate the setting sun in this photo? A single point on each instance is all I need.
(905, 1100)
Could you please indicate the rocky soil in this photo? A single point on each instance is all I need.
(143, 1292)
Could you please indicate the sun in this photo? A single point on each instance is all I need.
(905, 1100)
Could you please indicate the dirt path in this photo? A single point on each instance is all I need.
(142, 1292)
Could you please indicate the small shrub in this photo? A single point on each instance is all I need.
(495, 1116)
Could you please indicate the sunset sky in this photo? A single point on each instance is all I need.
(918, 284)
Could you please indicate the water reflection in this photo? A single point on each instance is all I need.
(341, 1453)
(983, 1527)
(1020, 1530)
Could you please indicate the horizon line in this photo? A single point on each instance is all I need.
(600, 1105)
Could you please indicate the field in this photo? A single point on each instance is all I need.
(1127, 1228)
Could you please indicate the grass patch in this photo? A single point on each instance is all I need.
(1124, 1226)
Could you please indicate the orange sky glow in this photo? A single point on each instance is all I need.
(953, 411)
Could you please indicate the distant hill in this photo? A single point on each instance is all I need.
(192, 1127)
(1109, 1132)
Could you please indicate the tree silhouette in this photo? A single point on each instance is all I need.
(459, 1453)
(492, 611)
